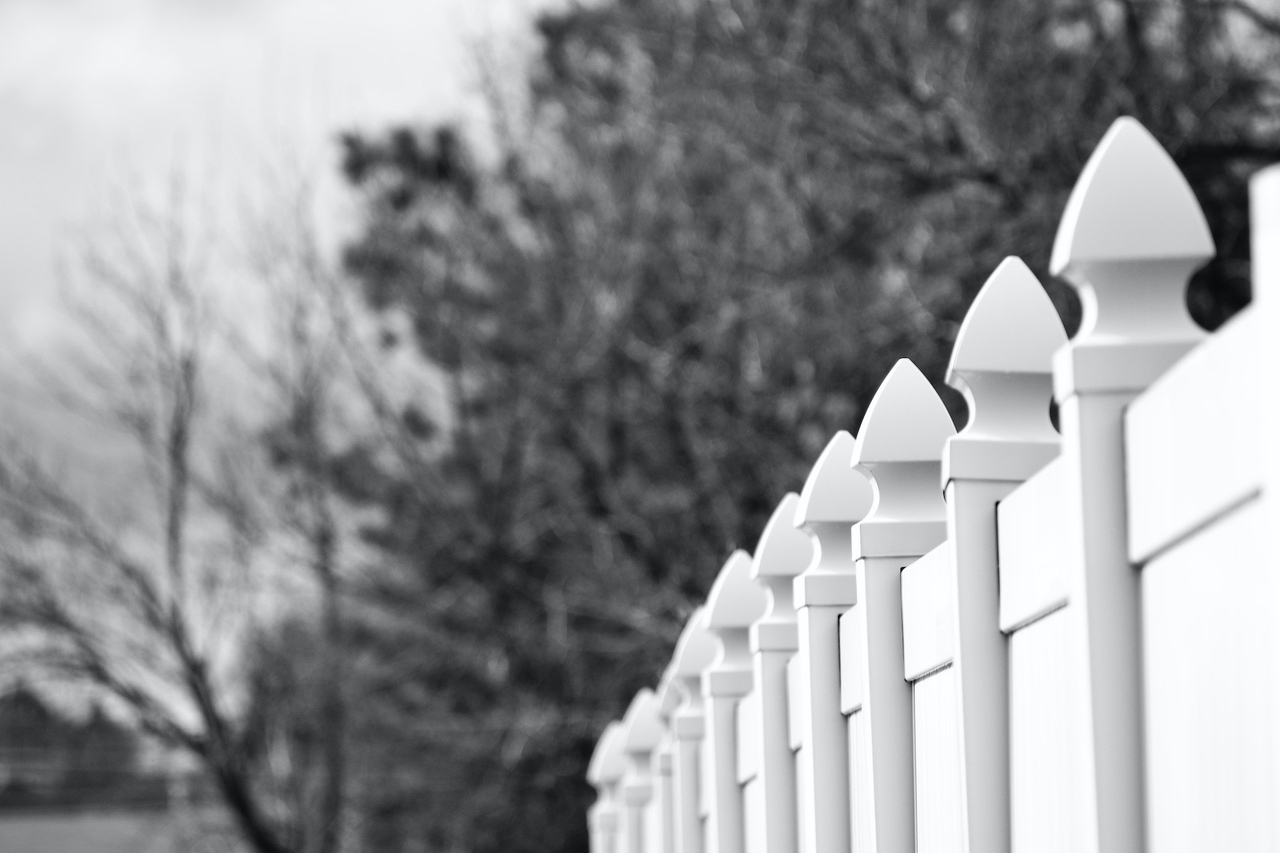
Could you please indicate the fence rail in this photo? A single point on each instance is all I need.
(1014, 637)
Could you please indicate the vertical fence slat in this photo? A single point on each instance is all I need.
(669, 699)
(605, 772)
(782, 553)
(694, 652)
(1264, 210)
(735, 601)
(899, 448)
(642, 732)
(834, 497)
(1129, 240)
(1002, 363)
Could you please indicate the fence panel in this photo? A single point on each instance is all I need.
(1264, 214)
(1026, 641)
(928, 638)
(1211, 712)
(1200, 530)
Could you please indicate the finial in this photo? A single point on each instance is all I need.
(1130, 237)
(734, 604)
(900, 448)
(1011, 327)
(696, 649)
(906, 422)
(1003, 364)
(835, 497)
(608, 761)
(642, 724)
(734, 601)
(1130, 204)
(833, 491)
(781, 553)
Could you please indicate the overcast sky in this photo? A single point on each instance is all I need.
(92, 91)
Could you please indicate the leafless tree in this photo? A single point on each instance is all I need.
(213, 390)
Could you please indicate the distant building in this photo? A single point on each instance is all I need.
(94, 786)
(48, 760)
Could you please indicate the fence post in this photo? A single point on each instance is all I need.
(664, 759)
(1264, 216)
(782, 553)
(834, 498)
(642, 732)
(608, 764)
(1002, 363)
(1130, 237)
(695, 650)
(732, 605)
(900, 449)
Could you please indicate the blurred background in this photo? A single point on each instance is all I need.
(384, 382)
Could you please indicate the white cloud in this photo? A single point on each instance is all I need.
(91, 88)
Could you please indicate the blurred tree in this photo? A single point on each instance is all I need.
(706, 235)
(174, 595)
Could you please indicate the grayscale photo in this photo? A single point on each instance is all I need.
(639, 426)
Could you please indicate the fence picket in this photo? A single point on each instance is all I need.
(642, 732)
(1131, 269)
(1264, 211)
(608, 764)
(695, 650)
(782, 553)
(735, 601)
(835, 496)
(1002, 363)
(899, 448)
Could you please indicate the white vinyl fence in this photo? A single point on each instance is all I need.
(1010, 638)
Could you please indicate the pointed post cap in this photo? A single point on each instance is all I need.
(735, 601)
(608, 762)
(834, 492)
(696, 648)
(1130, 203)
(906, 422)
(900, 446)
(1003, 364)
(782, 551)
(1012, 326)
(642, 724)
